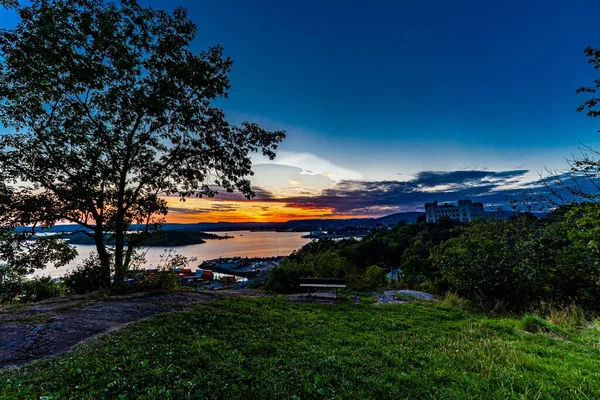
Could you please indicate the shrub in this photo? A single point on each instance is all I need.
(162, 280)
(11, 284)
(14, 287)
(374, 278)
(285, 278)
(40, 288)
(256, 284)
(494, 263)
(427, 286)
(86, 277)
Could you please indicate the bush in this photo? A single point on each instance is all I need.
(11, 284)
(427, 286)
(162, 280)
(256, 284)
(285, 278)
(495, 264)
(40, 288)
(14, 287)
(86, 277)
(374, 278)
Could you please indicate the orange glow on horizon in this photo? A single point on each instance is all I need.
(206, 210)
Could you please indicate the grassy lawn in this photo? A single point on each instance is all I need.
(268, 349)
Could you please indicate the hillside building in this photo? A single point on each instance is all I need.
(465, 211)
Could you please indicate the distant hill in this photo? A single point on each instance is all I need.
(165, 238)
(408, 217)
(293, 225)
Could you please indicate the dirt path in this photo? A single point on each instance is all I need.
(53, 327)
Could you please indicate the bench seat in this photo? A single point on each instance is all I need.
(332, 283)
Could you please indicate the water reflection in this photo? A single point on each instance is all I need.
(243, 244)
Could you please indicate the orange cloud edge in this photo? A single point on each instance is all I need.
(196, 210)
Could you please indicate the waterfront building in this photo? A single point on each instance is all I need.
(465, 211)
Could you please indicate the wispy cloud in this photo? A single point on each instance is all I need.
(311, 164)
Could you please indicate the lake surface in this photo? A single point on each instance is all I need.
(243, 244)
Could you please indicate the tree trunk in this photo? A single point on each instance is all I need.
(103, 256)
(120, 266)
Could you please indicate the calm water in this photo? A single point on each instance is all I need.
(243, 244)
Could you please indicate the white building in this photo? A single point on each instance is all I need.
(465, 211)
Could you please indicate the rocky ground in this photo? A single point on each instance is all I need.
(402, 296)
(53, 327)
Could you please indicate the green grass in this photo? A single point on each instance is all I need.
(270, 349)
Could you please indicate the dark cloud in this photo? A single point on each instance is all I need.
(464, 178)
(380, 197)
(260, 194)
(204, 210)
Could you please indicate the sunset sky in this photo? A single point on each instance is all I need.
(389, 104)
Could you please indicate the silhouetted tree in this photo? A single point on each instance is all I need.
(581, 179)
(9, 3)
(110, 111)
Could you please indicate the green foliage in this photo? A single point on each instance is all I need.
(572, 238)
(11, 284)
(41, 288)
(499, 265)
(268, 349)
(21, 253)
(494, 261)
(165, 278)
(284, 278)
(162, 280)
(256, 284)
(374, 278)
(405, 245)
(14, 287)
(86, 277)
(316, 259)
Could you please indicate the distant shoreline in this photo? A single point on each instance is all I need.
(171, 238)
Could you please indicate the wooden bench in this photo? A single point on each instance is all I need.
(334, 283)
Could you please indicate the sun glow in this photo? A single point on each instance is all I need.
(207, 210)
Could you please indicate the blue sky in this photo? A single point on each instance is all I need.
(379, 86)
(384, 90)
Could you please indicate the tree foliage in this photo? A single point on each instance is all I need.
(365, 262)
(110, 111)
(495, 261)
